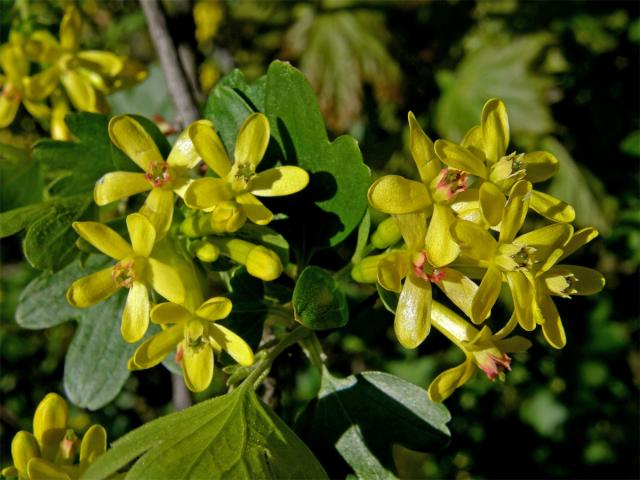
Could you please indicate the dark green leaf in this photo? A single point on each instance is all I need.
(43, 303)
(363, 415)
(232, 436)
(318, 302)
(20, 178)
(13, 221)
(331, 207)
(389, 299)
(95, 368)
(50, 241)
(631, 144)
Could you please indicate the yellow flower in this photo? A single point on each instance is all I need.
(82, 73)
(197, 337)
(483, 153)
(136, 269)
(15, 66)
(482, 348)
(51, 451)
(563, 281)
(232, 196)
(510, 258)
(161, 177)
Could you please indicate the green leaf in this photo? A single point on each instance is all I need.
(95, 368)
(581, 190)
(43, 303)
(318, 301)
(232, 436)
(20, 178)
(50, 240)
(389, 299)
(631, 144)
(13, 221)
(500, 67)
(335, 200)
(363, 415)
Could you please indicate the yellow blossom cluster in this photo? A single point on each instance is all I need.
(459, 229)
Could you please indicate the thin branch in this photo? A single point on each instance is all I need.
(176, 80)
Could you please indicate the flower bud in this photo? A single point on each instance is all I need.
(366, 271)
(23, 448)
(198, 226)
(228, 217)
(205, 251)
(264, 263)
(386, 234)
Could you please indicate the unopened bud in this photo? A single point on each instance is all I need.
(206, 251)
(366, 271)
(264, 263)
(228, 217)
(386, 234)
(197, 226)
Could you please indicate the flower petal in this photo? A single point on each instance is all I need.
(551, 322)
(422, 151)
(104, 239)
(395, 194)
(459, 157)
(413, 313)
(70, 29)
(135, 317)
(279, 181)
(184, 154)
(117, 185)
(24, 447)
(495, 129)
(197, 366)
(486, 295)
(392, 269)
(252, 140)
(540, 166)
(42, 84)
(522, 291)
(38, 110)
(104, 63)
(475, 242)
(449, 380)
(459, 288)
(215, 308)
(142, 234)
(94, 288)
(413, 228)
(578, 240)
(9, 104)
(208, 145)
(515, 211)
(166, 281)
(207, 192)
(129, 136)
(546, 239)
(168, 312)
(492, 203)
(158, 347)
(80, 91)
(50, 420)
(440, 247)
(233, 344)
(586, 281)
(254, 209)
(552, 208)
(513, 344)
(94, 444)
(158, 208)
(41, 469)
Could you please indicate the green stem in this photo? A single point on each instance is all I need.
(261, 370)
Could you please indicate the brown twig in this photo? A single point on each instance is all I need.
(169, 62)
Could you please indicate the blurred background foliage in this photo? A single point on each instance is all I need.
(569, 74)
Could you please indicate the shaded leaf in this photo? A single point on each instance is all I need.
(232, 436)
(363, 415)
(318, 301)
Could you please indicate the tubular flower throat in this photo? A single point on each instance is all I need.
(196, 336)
(136, 269)
(232, 197)
(53, 450)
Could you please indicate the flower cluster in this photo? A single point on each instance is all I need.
(64, 74)
(462, 222)
(53, 450)
(215, 207)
